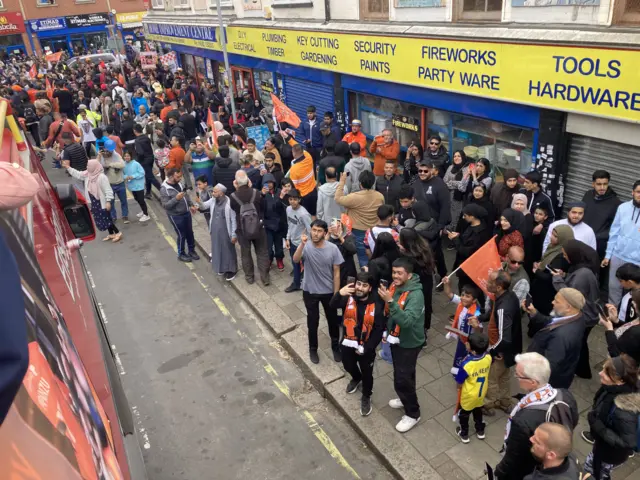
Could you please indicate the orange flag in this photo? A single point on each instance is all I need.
(480, 264)
(284, 113)
(53, 57)
(33, 72)
(49, 89)
(214, 135)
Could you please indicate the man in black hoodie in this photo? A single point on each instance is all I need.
(275, 218)
(224, 170)
(144, 154)
(601, 206)
(432, 190)
(389, 184)
(188, 123)
(436, 152)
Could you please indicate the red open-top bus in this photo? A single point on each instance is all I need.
(65, 413)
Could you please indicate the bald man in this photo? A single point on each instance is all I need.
(551, 445)
(520, 283)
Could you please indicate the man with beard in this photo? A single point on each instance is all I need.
(322, 260)
(551, 446)
(436, 152)
(581, 230)
(535, 196)
(601, 204)
(364, 321)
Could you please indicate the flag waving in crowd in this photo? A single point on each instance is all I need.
(284, 113)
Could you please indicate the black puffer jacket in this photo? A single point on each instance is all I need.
(613, 420)
(390, 189)
(224, 172)
(517, 461)
(568, 470)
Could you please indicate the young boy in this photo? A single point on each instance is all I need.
(204, 193)
(540, 216)
(134, 176)
(472, 380)
(628, 275)
(467, 307)
(299, 222)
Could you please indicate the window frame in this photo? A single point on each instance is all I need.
(481, 16)
(179, 4)
(223, 4)
(622, 17)
(365, 14)
(157, 4)
(46, 3)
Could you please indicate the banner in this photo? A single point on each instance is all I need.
(11, 23)
(53, 57)
(46, 24)
(260, 134)
(596, 81)
(284, 113)
(148, 60)
(87, 20)
(479, 265)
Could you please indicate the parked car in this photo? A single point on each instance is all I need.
(96, 58)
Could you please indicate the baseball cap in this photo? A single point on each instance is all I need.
(355, 121)
(109, 145)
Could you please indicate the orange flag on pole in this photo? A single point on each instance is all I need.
(49, 89)
(33, 71)
(284, 113)
(210, 121)
(53, 57)
(480, 264)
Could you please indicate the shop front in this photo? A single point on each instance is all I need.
(130, 27)
(73, 34)
(12, 31)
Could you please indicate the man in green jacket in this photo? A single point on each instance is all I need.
(405, 329)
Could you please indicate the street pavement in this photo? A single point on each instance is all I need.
(213, 393)
(200, 358)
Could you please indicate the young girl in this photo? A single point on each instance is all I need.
(134, 176)
(99, 193)
(161, 155)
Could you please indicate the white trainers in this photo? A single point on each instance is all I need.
(139, 214)
(395, 403)
(406, 424)
(145, 218)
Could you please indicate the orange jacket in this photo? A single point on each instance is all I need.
(388, 152)
(176, 158)
(163, 113)
(358, 138)
(301, 173)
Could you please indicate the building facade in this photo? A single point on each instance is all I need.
(546, 84)
(54, 25)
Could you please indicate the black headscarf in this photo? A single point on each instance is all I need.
(475, 210)
(515, 218)
(421, 211)
(483, 202)
(581, 255)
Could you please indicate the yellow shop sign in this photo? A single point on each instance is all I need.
(601, 82)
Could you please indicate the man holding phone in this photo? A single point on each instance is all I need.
(363, 321)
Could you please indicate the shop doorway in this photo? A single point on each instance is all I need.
(54, 44)
(77, 43)
(242, 79)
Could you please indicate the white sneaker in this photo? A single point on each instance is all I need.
(144, 218)
(139, 214)
(395, 403)
(406, 424)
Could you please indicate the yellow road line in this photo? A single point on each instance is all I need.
(313, 425)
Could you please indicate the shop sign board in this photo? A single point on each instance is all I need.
(252, 4)
(87, 20)
(267, 87)
(404, 122)
(11, 23)
(589, 80)
(132, 17)
(260, 134)
(46, 24)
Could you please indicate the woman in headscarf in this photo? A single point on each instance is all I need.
(479, 173)
(99, 193)
(519, 203)
(584, 265)
(542, 289)
(502, 193)
(476, 233)
(510, 231)
(480, 197)
(453, 178)
(219, 129)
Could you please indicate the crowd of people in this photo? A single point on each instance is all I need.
(366, 224)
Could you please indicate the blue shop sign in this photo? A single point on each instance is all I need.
(196, 32)
(46, 24)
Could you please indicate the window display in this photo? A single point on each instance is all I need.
(505, 146)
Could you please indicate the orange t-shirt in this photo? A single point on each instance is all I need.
(176, 158)
(388, 152)
(359, 138)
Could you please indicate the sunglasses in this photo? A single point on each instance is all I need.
(423, 171)
(516, 262)
(434, 143)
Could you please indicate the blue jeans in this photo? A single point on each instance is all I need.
(297, 272)
(358, 236)
(120, 191)
(385, 353)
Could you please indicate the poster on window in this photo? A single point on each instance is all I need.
(420, 3)
(252, 4)
(553, 3)
(148, 60)
(405, 122)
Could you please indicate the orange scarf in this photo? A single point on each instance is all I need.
(393, 336)
(350, 322)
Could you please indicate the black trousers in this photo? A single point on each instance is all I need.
(274, 244)
(150, 178)
(427, 292)
(583, 370)
(463, 418)
(360, 367)
(441, 265)
(139, 197)
(404, 378)
(312, 303)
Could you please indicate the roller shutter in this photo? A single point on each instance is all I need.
(587, 154)
(299, 94)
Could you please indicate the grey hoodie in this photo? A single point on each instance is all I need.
(327, 207)
(299, 222)
(354, 168)
(171, 204)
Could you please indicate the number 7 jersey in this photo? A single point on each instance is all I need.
(473, 375)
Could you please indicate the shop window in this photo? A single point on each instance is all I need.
(374, 9)
(378, 114)
(1, 4)
(45, 3)
(157, 3)
(181, 3)
(505, 146)
(627, 11)
(264, 87)
(489, 10)
(223, 3)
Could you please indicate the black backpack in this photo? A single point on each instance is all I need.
(557, 411)
(30, 114)
(250, 222)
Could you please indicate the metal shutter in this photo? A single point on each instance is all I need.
(299, 94)
(587, 154)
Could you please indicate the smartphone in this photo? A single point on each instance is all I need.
(351, 280)
(384, 283)
(528, 300)
(348, 174)
(602, 311)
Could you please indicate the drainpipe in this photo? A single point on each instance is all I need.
(327, 11)
(28, 28)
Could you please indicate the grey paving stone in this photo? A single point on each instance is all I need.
(274, 317)
(451, 470)
(382, 391)
(293, 313)
(444, 390)
(471, 457)
(283, 298)
(430, 439)
(429, 406)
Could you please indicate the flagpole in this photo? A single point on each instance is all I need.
(449, 276)
(223, 42)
